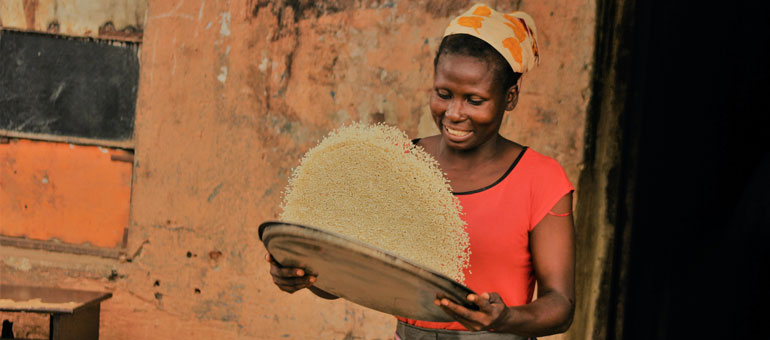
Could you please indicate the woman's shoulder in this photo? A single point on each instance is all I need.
(539, 158)
(540, 165)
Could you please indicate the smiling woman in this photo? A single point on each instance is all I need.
(517, 203)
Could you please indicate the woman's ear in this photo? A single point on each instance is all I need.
(512, 95)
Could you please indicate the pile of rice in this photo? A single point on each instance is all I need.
(370, 183)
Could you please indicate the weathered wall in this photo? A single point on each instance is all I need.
(107, 19)
(231, 94)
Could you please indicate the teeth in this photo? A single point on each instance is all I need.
(457, 132)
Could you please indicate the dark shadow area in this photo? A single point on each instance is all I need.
(699, 238)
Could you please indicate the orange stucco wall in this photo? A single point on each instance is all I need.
(231, 94)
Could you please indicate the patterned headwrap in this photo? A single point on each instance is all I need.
(513, 35)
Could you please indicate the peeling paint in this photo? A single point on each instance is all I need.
(200, 11)
(30, 9)
(263, 65)
(21, 264)
(129, 33)
(222, 77)
(224, 30)
(114, 19)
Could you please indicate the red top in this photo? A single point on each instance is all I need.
(499, 219)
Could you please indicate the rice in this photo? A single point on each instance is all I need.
(370, 183)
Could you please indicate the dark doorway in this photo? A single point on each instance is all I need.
(698, 265)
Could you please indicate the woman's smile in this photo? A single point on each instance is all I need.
(457, 133)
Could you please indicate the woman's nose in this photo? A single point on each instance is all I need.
(453, 110)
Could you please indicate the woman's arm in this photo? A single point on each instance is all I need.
(552, 243)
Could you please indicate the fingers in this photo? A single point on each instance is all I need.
(491, 309)
(300, 281)
(485, 301)
(289, 279)
(275, 270)
(454, 309)
(463, 315)
(494, 298)
(291, 286)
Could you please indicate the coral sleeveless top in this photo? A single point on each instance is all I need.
(499, 219)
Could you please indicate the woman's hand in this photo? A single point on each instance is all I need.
(289, 279)
(492, 311)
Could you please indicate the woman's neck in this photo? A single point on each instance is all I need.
(488, 152)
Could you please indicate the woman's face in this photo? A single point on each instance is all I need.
(467, 104)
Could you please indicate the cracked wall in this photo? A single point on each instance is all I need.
(231, 94)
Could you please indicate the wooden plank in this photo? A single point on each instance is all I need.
(68, 87)
(122, 144)
(122, 20)
(76, 195)
(78, 249)
(15, 298)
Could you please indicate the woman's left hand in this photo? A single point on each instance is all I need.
(492, 311)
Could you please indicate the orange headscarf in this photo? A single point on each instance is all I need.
(513, 35)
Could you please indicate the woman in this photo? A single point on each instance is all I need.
(516, 202)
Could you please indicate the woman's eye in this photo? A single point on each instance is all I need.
(443, 95)
(475, 102)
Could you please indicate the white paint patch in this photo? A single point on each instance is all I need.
(223, 74)
(263, 65)
(208, 25)
(200, 11)
(227, 50)
(225, 29)
(103, 150)
(45, 180)
(72, 146)
(20, 264)
(173, 66)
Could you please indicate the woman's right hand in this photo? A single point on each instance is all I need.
(289, 279)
